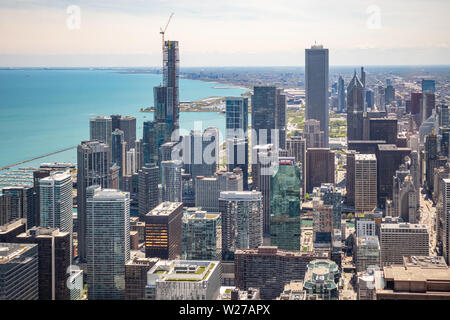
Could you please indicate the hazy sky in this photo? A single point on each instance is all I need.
(223, 33)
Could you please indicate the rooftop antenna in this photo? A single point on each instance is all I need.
(162, 32)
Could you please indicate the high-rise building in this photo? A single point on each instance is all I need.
(428, 85)
(383, 129)
(54, 258)
(319, 167)
(93, 163)
(107, 242)
(118, 149)
(207, 189)
(171, 180)
(101, 129)
(242, 221)
(18, 203)
(136, 271)
(270, 269)
(171, 70)
(56, 207)
(127, 125)
(202, 235)
(322, 224)
(269, 116)
(389, 158)
(201, 152)
(365, 182)
(148, 189)
(237, 157)
(389, 94)
(34, 219)
(405, 195)
(321, 280)
(315, 138)
(10, 230)
(316, 87)
(19, 273)
(355, 109)
(341, 95)
(331, 195)
(296, 147)
(428, 104)
(367, 252)
(285, 205)
(431, 159)
(415, 102)
(402, 239)
(163, 231)
(445, 217)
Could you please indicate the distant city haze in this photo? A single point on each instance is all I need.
(82, 33)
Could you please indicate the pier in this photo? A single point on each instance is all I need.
(35, 158)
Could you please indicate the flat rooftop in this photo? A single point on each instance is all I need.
(10, 251)
(402, 273)
(425, 261)
(165, 208)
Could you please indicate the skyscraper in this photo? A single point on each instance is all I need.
(269, 116)
(118, 150)
(428, 85)
(148, 189)
(285, 206)
(365, 182)
(319, 167)
(108, 242)
(163, 231)
(171, 180)
(355, 109)
(127, 125)
(201, 152)
(341, 94)
(242, 221)
(171, 69)
(56, 202)
(316, 87)
(93, 163)
(101, 129)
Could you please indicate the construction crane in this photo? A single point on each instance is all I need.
(162, 32)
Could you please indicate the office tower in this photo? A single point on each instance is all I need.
(171, 69)
(19, 272)
(93, 163)
(341, 94)
(207, 189)
(350, 177)
(365, 227)
(127, 125)
(321, 280)
(369, 282)
(118, 149)
(136, 277)
(389, 94)
(296, 147)
(270, 269)
(130, 162)
(165, 151)
(20, 203)
(184, 280)
(201, 152)
(402, 239)
(242, 221)
(10, 230)
(237, 157)
(389, 158)
(34, 219)
(54, 258)
(316, 87)
(379, 98)
(264, 160)
(383, 129)
(101, 129)
(171, 180)
(405, 196)
(402, 281)
(365, 182)
(154, 136)
(108, 242)
(188, 190)
(319, 167)
(428, 105)
(315, 138)
(322, 224)
(367, 252)
(431, 159)
(331, 195)
(148, 189)
(202, 235)
(285, 206)
(428, 85)
(370, 99)
(444, 223)
(139, 154)
(5, 209)
(76, 283)
(236, 117)
(415, 102)
(56, 201)
(355, 109)
(269, 116)
(163, 231)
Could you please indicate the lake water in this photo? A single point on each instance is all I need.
(42, 111)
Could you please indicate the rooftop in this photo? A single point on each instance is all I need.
(425, 261)
(10, 251)
(165, 208)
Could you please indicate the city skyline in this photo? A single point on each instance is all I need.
(249, 33)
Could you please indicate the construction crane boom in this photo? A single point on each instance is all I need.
(163, 31)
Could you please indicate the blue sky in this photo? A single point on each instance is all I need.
(223, 33)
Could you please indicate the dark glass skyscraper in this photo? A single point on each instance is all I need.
(316, 87)
(355, 109)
